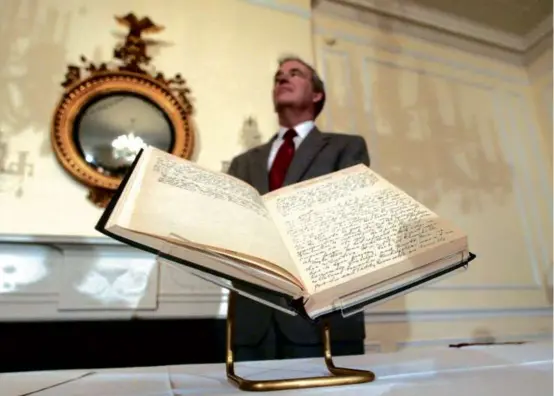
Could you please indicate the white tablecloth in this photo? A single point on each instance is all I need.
(518, 370)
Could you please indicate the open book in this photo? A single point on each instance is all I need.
(349, 233)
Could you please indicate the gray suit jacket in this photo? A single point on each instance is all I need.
(320, 153)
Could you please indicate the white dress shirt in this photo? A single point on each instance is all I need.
(302, 130)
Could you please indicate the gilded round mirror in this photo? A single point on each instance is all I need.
(106, 115)
(111, 129)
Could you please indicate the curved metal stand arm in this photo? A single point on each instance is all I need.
(339, 375)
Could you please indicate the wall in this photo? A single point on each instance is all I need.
(464, 133)
(53, 265)
(539, 71)
(458, 131)
(209, 42)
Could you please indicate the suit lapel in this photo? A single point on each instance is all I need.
(259, 173)
(304, 156)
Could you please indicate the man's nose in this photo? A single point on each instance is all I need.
(283, 78)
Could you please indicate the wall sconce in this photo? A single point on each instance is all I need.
(250, 137)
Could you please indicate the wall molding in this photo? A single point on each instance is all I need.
(532, 337)
(58, 239)
(539, 156)
(496, 75)
(179, 295)
(505, 133)
(282, 7)
(508, 149)
(536, 35)
(425, 17)
(213, 305)
(547, 101)
(498, 117)
(183, 297)
(372, 346)
(443, 23)
(347, 84)
(448, 315)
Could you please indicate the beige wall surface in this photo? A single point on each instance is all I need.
(539, 71)
(468, 135)
(226, 50)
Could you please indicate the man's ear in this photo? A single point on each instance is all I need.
(317, 96)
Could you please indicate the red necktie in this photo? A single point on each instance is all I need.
(282, 161)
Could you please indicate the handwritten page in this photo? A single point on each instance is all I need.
(351, 223)
(208, 208)
(214, 185)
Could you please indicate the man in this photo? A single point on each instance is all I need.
(298, 152)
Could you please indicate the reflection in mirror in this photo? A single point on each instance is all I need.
(111, 129)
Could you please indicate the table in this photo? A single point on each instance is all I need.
(477, 370)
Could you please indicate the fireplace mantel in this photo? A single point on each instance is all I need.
(49, 278)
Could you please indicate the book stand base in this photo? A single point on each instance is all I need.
(176, 247)
(339, 375)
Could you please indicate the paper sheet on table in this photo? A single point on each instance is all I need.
(151, 381)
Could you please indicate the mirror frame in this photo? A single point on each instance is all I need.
(86, 83)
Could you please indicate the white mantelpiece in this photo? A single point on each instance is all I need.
(65, 278)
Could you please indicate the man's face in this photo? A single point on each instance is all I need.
(293, 86)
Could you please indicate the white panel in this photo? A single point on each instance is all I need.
(28, 270)
(108, 278)
(53, 280)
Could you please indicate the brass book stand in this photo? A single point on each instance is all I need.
(340, 376)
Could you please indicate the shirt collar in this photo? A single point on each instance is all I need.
(301, 129)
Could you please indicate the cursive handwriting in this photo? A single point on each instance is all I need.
(210, 184)
(339, 234)
(318, 194)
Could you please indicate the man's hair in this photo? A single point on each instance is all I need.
(317, 82)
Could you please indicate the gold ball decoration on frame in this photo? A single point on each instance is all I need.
(107, 114)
